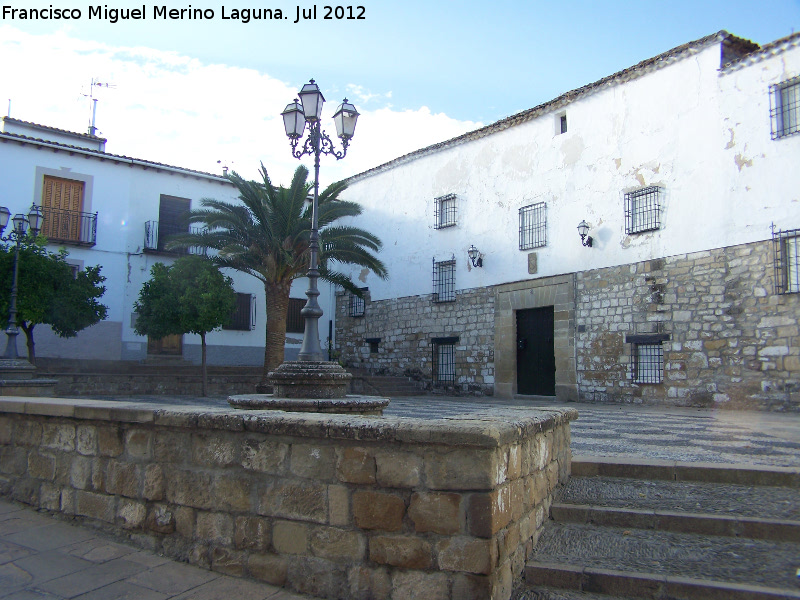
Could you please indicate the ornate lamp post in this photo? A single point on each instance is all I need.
(18, 231)
(295, 116)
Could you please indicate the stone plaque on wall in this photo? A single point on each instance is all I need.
(532, 264)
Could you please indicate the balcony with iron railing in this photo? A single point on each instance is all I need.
(156, 237)
(69, 226)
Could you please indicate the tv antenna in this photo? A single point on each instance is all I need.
(95, 83)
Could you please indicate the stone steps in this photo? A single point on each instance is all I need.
(393, 387)
(669, 531)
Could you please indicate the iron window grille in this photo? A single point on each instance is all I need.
(647, 357)
(787, 260)
(444, 280)
(643, 210)
(443, 369)
(295, 323)
(533, 226)
(444, 211)
(356, 305)
(784, 108)
(69, 226)
(243, 317)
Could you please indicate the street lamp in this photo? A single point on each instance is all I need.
(296, 115)
(19, 229)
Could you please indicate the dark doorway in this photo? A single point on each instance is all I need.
(536, 360)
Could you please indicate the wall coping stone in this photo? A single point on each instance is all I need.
(484, 431)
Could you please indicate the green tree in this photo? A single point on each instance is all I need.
(267, 236)
(191, 296)
(49, 292)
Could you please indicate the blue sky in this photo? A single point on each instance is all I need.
(418, 71)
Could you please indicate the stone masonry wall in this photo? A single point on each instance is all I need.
(406, 328)
(326, 505)
(732, 341)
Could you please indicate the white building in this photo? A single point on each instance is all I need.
(115, 211)
(682, 161)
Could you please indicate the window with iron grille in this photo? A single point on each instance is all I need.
(647, 357)
(787, 260)
(784, 108)
(356, 305)
(643, 210)
(295, 323)
(532, 226)
(444, 211)
(444, 361)
(243, 317)
(444, 280)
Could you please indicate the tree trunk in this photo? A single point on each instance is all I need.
(203, 361)
(28, 329)
(277, 308)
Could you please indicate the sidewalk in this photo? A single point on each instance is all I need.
(44, 558)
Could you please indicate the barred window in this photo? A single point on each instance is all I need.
(643, 210)
(444, 211)
(356, 306)
(787, 260)
(784, 108)
(444, 361)
(295, 323)
(532, 226)
(243, 317)
(444, 280)
(647, 357)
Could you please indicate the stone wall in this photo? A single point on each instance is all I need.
(731, 340)
(326, 505)
(406, 328)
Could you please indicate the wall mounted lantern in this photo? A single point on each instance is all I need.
(475, 256)
(583, 229)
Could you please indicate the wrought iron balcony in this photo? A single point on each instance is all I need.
(156, 237)
(69, 226)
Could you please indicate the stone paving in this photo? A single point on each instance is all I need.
(42, 558)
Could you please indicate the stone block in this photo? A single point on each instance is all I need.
(317, 577)
(232, 492)
(414, 585)
(130, 513)
(368, 584)
(86, 440)
(172, 447)
(355, 465)
(437, 512)
(471, 587)
(161, 519)
(109, 441)
(80, 476)
(304, 500)
(467, 554)
(215, 450)
(269, 568)
(252, 533)
(404, 551)
(6, 430)
(215, 528)
(397, 469)
(123, 478)
(313, 461)
(189, 488)
(339, 505)
(378, 510)
(339, 545)
(289, 537)
(488, 513)
(96, 506)
(154, 484)
(478, 469)
(184, 521)
(139, 444)
(13, 460)
(264, 456)
(41, 466)
(228, 561)
(27, 433)
(50, 496)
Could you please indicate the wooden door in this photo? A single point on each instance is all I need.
(171, 345)
(536, 361)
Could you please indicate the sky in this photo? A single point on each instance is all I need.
(203, 93)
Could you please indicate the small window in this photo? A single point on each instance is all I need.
(532, 226)
(444, 211)
(647, 357)
(444, 280)
(787, 260)
(444, 361)
(356, 306)
(243, 317)
(295, 323)
(373, 344)
(563, 123)
(785, 108)
(643, 210)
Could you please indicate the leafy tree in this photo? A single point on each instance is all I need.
(191, 296)
(267, 236)
(49, 292)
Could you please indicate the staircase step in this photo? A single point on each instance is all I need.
(646, 563)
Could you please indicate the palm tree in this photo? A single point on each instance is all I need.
(267, 236)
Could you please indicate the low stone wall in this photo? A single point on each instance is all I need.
(327, 505)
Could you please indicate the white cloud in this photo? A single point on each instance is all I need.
(175, 109)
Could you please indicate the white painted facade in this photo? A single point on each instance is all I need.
(699, 132)
(125, 193)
